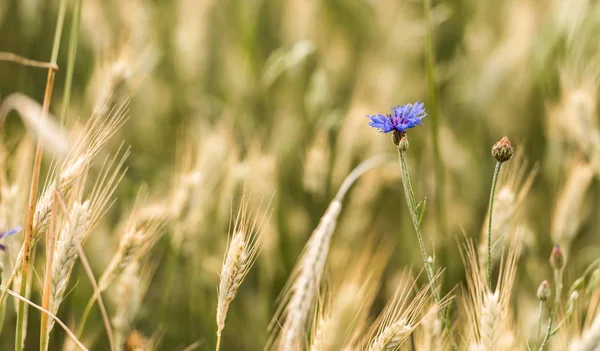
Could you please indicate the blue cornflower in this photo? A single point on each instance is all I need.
(8, 233)
(405, 117)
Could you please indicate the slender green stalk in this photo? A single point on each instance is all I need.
(73, 40)
(433, 113)
(86, 314)
(558, 285)
(20, 328)
(490, 212)
(540, 321)
(411, 203)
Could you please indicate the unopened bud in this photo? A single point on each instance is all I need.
(557, 259)
(543, 291)
(502, 150)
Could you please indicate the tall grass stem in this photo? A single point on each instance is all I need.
(73, 40)
(435, 120)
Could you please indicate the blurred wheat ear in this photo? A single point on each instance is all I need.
(243, 247)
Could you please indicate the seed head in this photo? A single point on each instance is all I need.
(543, 291)
(502, 150)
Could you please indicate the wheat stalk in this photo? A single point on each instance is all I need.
(235, 266)
(400, 316)
(140, 234)
(391, 337)
(66, 253)
(81, 219)
(339, 324)
(432, 337)
(97, 131)
(487, 311)
(305, 288)
(128, 297)
(491, 319)
(241, 254)
(135, 242)
(302, 289)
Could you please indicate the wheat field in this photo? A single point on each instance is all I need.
(299, 175)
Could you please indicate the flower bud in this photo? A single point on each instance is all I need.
(399, 138)
(543, 291)
(502, 150)
(557, 259)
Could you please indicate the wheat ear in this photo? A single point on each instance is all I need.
(98, 130)
(241, 253)
(82, 218)
(392, 336)
(66, 254)
(135, 242)
(302, 289)
(400, 317)
(491, 320)
(130, 290)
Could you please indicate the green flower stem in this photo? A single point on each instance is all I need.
(412, 208)
(490, 212)
(558, 285)
(540, 321)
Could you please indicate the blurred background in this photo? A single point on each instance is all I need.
(272, 97)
